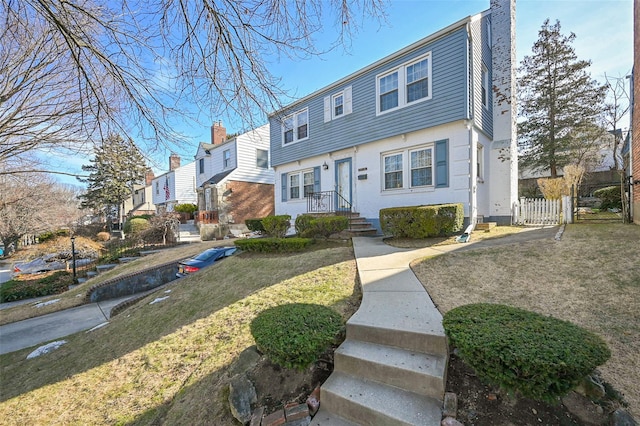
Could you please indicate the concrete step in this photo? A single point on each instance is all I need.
(366, 402)
(413, 371)
(404, 321)
(325, 418)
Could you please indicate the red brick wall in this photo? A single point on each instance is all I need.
(250, 200)
(636, 112)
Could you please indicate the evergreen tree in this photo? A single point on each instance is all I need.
(558, 102)
(116, 167)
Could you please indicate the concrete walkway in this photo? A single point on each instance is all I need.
(397, 325)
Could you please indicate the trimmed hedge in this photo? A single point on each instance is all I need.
(136, 225)
(56, 283)
(277, 226)
(188, 208)
(254, 225)
(422, 221)
(309, 226)
(540, 357)
(296, 334)
(610, 197)
(273, 245)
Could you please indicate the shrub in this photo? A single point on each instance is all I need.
(610, 197)
(540, 357)
(295, 335)
(274, 245)
(276, 226)
(309, 226)
(136, 226)
(422, 221)
(103, 236)
(52, 235)
(56, 283)
(185, 208)
(254, 225)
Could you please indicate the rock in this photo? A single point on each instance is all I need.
(256, 417)
(246, 361)
(621, 417)
(450, 405)
(241, 395)
(313, 401)
(583, 408)
(450, 421)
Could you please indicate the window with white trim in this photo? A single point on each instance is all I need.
(295, 127)
(338, 104)
(484, 86)
(393, 171)
(297, 180)
(416, 163)
(404, 85)
(226, 158)
(421, 166)
(262, 158)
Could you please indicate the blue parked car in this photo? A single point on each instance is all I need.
(204, 259)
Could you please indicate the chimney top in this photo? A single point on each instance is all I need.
(218, 133)
(174, 162)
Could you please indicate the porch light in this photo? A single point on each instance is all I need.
(325, 166)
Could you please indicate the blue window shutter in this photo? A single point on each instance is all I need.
(283, 185)
(316, 179)
(442, 163)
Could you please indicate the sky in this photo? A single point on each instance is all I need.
(603, 29)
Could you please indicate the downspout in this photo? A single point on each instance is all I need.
(469, 123)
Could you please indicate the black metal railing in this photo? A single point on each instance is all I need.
(330, 202)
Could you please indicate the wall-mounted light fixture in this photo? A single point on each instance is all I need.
(325, 166)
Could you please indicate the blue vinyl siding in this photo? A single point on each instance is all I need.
(450, 87)
(482, 56)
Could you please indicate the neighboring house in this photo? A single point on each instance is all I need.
(177, 186)
(234, 181)
(432, 123)
(141, 201)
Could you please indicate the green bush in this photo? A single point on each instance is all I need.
(274, 245)
(422, 221)
(610, 197)
(295, 335)
(52, 235)
(277, 226)
(540, 357)
(254, 225)
(185, 208)
(324, 226)
(56, 283)
(136, 226)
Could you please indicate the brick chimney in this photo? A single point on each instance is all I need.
(174, 162)
(148, 177)
(218, 133)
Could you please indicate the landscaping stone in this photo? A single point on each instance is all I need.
(450, 405)
(247, 360)
(241, 395)
(313, 401)
(256, 417)
(621, 417)
(274, 419)
(584, 409)
(450, 421)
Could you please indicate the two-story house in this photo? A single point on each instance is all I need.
(431, 123)
(234, 181)
(177, 186)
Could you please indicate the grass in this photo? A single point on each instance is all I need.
(168, 362)
(590, 277)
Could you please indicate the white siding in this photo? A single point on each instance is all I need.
(185, 184)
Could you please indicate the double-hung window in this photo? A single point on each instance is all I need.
(300, 180)
(338, 105)
(393, 171)
(404, 85)
(421, 167)
(295, 127)
(262, 158)
(226, 158)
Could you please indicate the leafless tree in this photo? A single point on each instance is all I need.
(32, 204)
(72, 71)
(615, 109)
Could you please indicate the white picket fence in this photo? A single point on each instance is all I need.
(539, 211)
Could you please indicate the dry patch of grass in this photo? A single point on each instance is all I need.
(590, 277)
(496, 232)
(168, 362)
